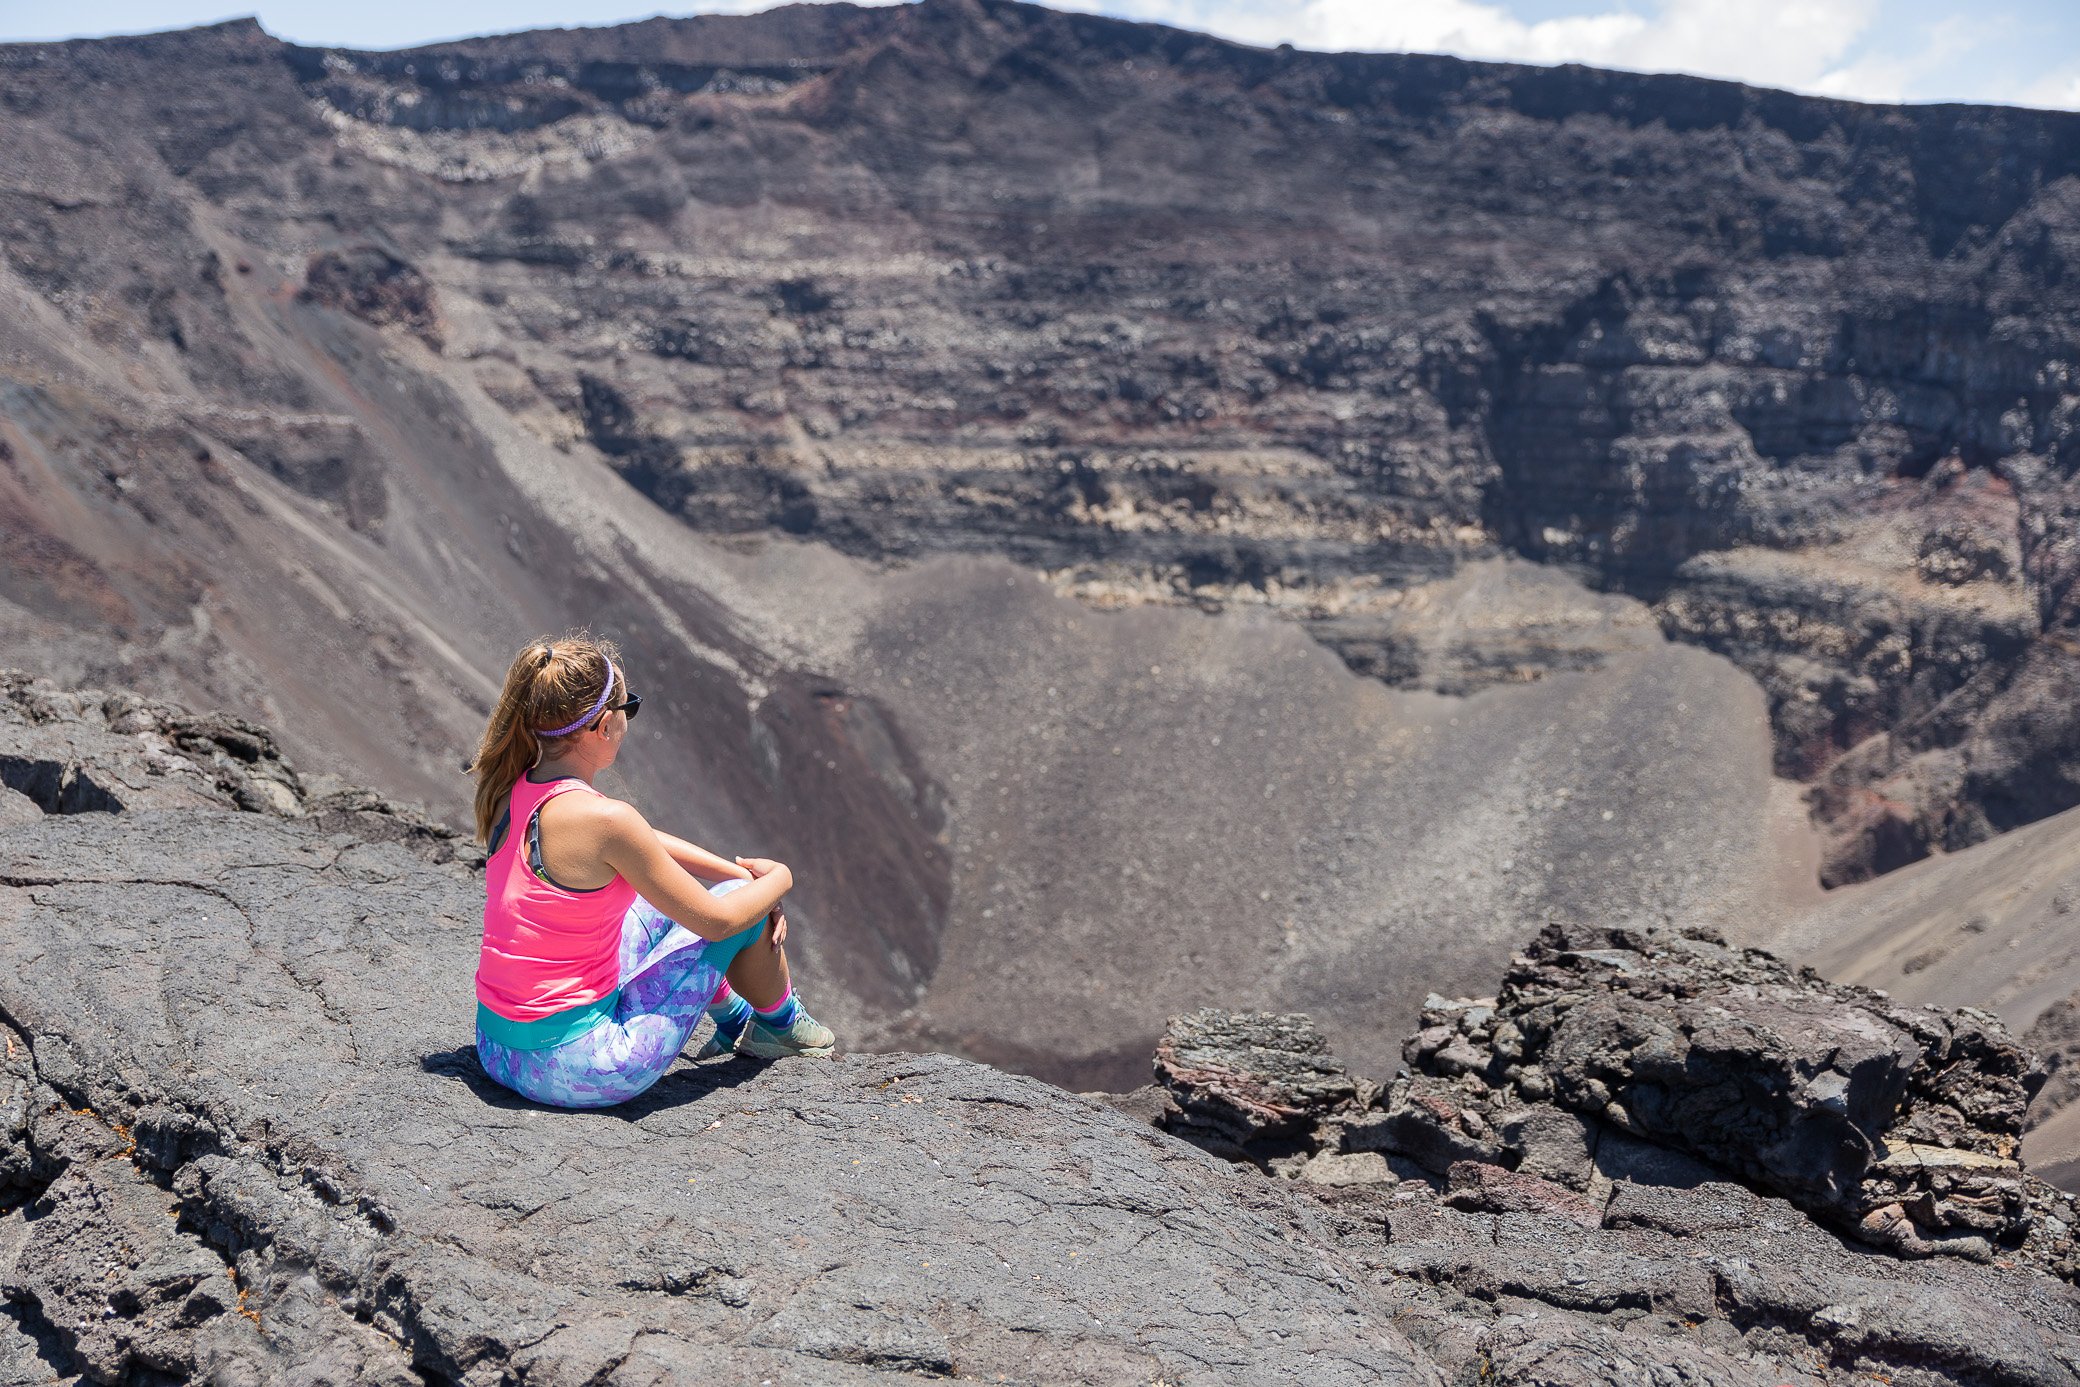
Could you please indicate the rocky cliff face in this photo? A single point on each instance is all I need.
(243, 1138)
(1170, 319)
(1180, 321)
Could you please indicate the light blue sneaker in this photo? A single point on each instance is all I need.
(804, 1037)
(715, 1046)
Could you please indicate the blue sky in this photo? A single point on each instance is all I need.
(2019, 52)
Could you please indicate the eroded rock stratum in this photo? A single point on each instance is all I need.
(244, 1139)
(1170, 319)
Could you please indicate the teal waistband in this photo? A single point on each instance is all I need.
(553, 1029)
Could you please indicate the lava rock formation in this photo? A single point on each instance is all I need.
(244, 1138)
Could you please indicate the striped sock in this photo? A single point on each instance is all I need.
(782, 1014)
(730, 1013)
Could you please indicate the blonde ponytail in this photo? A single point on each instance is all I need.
(549, 683)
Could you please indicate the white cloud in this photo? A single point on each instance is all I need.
(1827, 47)
(2059, 90)
(1903, 74)
(1779, 42)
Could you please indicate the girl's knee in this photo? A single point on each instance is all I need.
(727, 885)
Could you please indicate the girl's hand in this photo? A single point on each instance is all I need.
(758, 866)
(777, 935)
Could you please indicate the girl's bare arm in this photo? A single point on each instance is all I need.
(698, 860)
(630, 846)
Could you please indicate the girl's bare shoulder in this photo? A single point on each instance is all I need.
(597, 807)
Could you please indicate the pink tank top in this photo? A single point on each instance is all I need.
(546, 948)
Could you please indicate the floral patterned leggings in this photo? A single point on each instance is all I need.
(668, 973)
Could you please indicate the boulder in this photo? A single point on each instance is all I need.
(1249, 1076)
(1900, 1125)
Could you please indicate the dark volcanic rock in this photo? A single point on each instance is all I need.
(74, 753)
(83, 752)
(246, 1139)
(103, 1256)
(1575, 1252)
(1788, 1089)
(1241, 1077)
(1902, 1125)
(1722, 1287)
(243, 1138)
(1579, 1254)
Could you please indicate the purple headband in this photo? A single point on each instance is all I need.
(595, 707)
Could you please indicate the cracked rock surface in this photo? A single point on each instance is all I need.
(247, 1140)
(1901, 1124)
(244, 1139)
(1716, 1285)
(1532, 1238)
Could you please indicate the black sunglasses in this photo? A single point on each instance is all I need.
(631, 705)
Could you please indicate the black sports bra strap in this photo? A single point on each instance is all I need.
(540, 868)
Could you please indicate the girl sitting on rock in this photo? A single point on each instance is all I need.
(602, 945)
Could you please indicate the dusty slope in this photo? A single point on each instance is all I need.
(1988, 926)
(1149, 805)
(1992, 926)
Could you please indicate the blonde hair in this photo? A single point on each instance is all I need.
(549, 684)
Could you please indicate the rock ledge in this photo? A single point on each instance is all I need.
(244, 1140)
